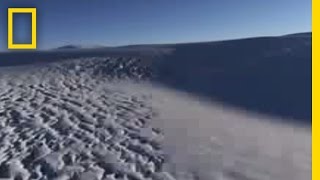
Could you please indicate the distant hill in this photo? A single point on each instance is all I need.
(74, 47)
(69, 47)
(306, 34)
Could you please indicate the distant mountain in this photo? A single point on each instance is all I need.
(69, 47)
(66, 47)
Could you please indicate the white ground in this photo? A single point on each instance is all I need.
(209, 141)
(64, 121)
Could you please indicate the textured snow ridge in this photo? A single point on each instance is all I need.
(68, 121)
(111, 68)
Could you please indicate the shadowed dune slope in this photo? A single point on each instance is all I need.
(270, 75)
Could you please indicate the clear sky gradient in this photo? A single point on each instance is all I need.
(123, 22)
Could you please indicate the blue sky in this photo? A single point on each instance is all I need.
(122, 22)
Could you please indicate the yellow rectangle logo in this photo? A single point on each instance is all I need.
(33, 12)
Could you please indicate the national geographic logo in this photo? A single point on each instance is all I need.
(33, 44)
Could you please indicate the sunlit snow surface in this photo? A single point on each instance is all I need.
(64, 121)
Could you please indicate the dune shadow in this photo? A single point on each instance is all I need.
(270, 75)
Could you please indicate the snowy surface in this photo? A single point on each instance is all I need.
(208, 141)
(60, 122)
(102, 118)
